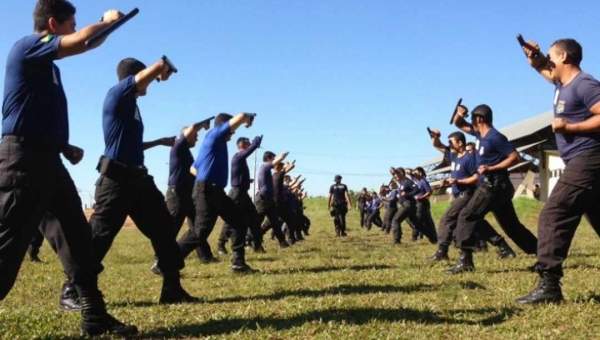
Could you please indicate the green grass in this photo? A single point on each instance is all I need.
(359, 287)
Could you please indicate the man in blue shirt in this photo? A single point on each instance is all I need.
(391, 205)
(35, 131)
(495, 154)
(265, 198)
(463, 180)
(577, 128)
(374, 216)
(426, 225)
(240, 184)
(125, 188)
(407, 190)
(181, 181)
(361, 205)
(210, 200)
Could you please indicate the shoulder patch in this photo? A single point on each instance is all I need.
(47, 38)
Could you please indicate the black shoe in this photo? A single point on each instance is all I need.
(397, 243)
(505, 251)
(284, 244)
(155, 269)
(176, 295)
(547, 291)
(464, 264)
(35, 259)
(243, 269)
(209, 260)
(535, 268)
(95, 320)
(440, 255)
(221, 249)
(260, 250)
(69, 299)
(343, 234)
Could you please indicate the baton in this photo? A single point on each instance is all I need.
(204, 121)
(170, 66)
(524, 44)
(456, 110)
(111, 28)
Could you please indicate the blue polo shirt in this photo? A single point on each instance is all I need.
(265, 180)
(34, 103)
(211, 163)
(410, 188)
(461, 168)
(492, 149)
(122, 124)
(393, 199)
(240, 173)
(424, 187)
(375, 203)
(573, 103)
(180, 162)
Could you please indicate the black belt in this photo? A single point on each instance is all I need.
(115, 169)
(34, 142)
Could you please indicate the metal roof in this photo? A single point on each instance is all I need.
(512, 132)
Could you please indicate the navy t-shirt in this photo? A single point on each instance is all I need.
(461, 168)
(492, 149)
(122, 124)
(393, 199)
(339, 193)
(375, 203)
(410, 188)
(211, 163)
(240, 173)
(180, 162)
(424, 187)
(279, 193)
(34, 103)
(573, 103)
(265, 180)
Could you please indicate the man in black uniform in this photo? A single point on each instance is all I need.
(283, 209)
(338, 192)
(240, 184)
(389, 195)
(480, 243)
(361, 204)
(495, 154)
(577, 128)
(33, 179)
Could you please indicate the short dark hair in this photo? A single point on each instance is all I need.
(471, 144)
(222, 118)
(60, 10)
(242, 139)
(573, 49)
(129, 67)
(267, 156)
(421, 170)
(485, 112)
(459, 136)
(401, 170)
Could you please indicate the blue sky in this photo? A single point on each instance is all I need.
(346, 86)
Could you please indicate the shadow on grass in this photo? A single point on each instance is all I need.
(327, 269)
(352, 316)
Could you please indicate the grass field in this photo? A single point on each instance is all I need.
(358, 287)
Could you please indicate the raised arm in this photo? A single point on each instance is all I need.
(74, 44)
(436, 142)
(239, 119)
(540, 64)
(460, 122)
(165, 141)
(249, 150)
(159, 70)
(192, 129)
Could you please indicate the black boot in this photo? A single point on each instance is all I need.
(33, 254)
(155, 268)
(464, 264)
(95, 320)
(260, 250)
(239, 266)
(535, 268)
(483, 246)
(221, 249)
(69, 298)
(547, 291)
(441, 254)
(505, 251)
(172, 291)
